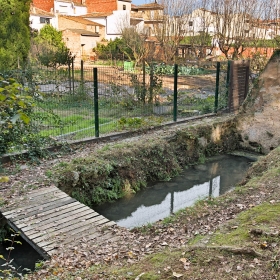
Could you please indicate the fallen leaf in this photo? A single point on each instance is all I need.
(264, 245)
(139, 276)
(4, 179)
(148, 245)
(130, 254)
(177, 275)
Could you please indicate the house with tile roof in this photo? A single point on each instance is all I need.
(86, 22)
(146, 16)
(114, 22)
(68, 7)
(80, 35)
(38, 18)
(64, 6)
(107, 5)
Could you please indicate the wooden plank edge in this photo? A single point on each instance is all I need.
(39, 250)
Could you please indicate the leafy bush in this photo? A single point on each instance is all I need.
(130, 122)
(15, 33)
(15, 109)
(52, 51)
(114, 49)
(19, 123)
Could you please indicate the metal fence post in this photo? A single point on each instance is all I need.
(175, 92)
(228, 77)
(144, 82)
(96, 114)
(73, 74)
(69, 75)
(217, 86)
(151, 82)
(82, 75)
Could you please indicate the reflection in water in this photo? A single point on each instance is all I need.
(161, 199)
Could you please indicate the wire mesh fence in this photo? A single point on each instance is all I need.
(129, 97)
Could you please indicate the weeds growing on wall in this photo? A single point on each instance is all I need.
(118, 170)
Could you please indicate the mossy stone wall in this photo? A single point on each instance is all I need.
(119, 169)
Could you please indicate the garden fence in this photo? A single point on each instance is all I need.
(81, 101)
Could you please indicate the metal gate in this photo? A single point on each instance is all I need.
(238, 84)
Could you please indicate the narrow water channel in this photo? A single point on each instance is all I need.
(161, 199)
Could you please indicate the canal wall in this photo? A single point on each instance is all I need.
(123, 168)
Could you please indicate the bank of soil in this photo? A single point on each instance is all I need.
(259, 119)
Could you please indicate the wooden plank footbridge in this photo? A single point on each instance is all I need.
(50, 219)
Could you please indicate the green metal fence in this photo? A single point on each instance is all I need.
(81, 101)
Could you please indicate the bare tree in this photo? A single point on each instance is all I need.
(271, 20)
(172, 28)
(234, 22)
(201, 29)
(136, 42)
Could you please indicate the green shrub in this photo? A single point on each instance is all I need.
(16, 106)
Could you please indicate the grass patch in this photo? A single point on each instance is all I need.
(264, 217)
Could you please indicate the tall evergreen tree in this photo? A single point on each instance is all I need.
(14, 32)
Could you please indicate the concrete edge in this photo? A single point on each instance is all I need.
(108, 138)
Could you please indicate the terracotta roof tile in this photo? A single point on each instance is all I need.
(82, 20)
(79, 4)
(38, 12)
(96, 15)
(83, 32)
(150, 6)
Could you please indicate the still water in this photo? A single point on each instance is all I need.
(161, 199)
(23, 254)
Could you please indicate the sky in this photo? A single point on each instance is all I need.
(140, 2)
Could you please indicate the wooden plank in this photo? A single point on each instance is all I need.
(43, 190)
(55, 218)
(51, 190)
(86, 231)
(39, 209)
(53, 212)
(64, 227)
(75, 217)
(42, 203)
(32, 207)
(16, 209)
(52, 218)
(54, 232)
(91, 235)
(48, 196)
(62, 240)
(37, 248)
(50, 250)
(41, 218)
